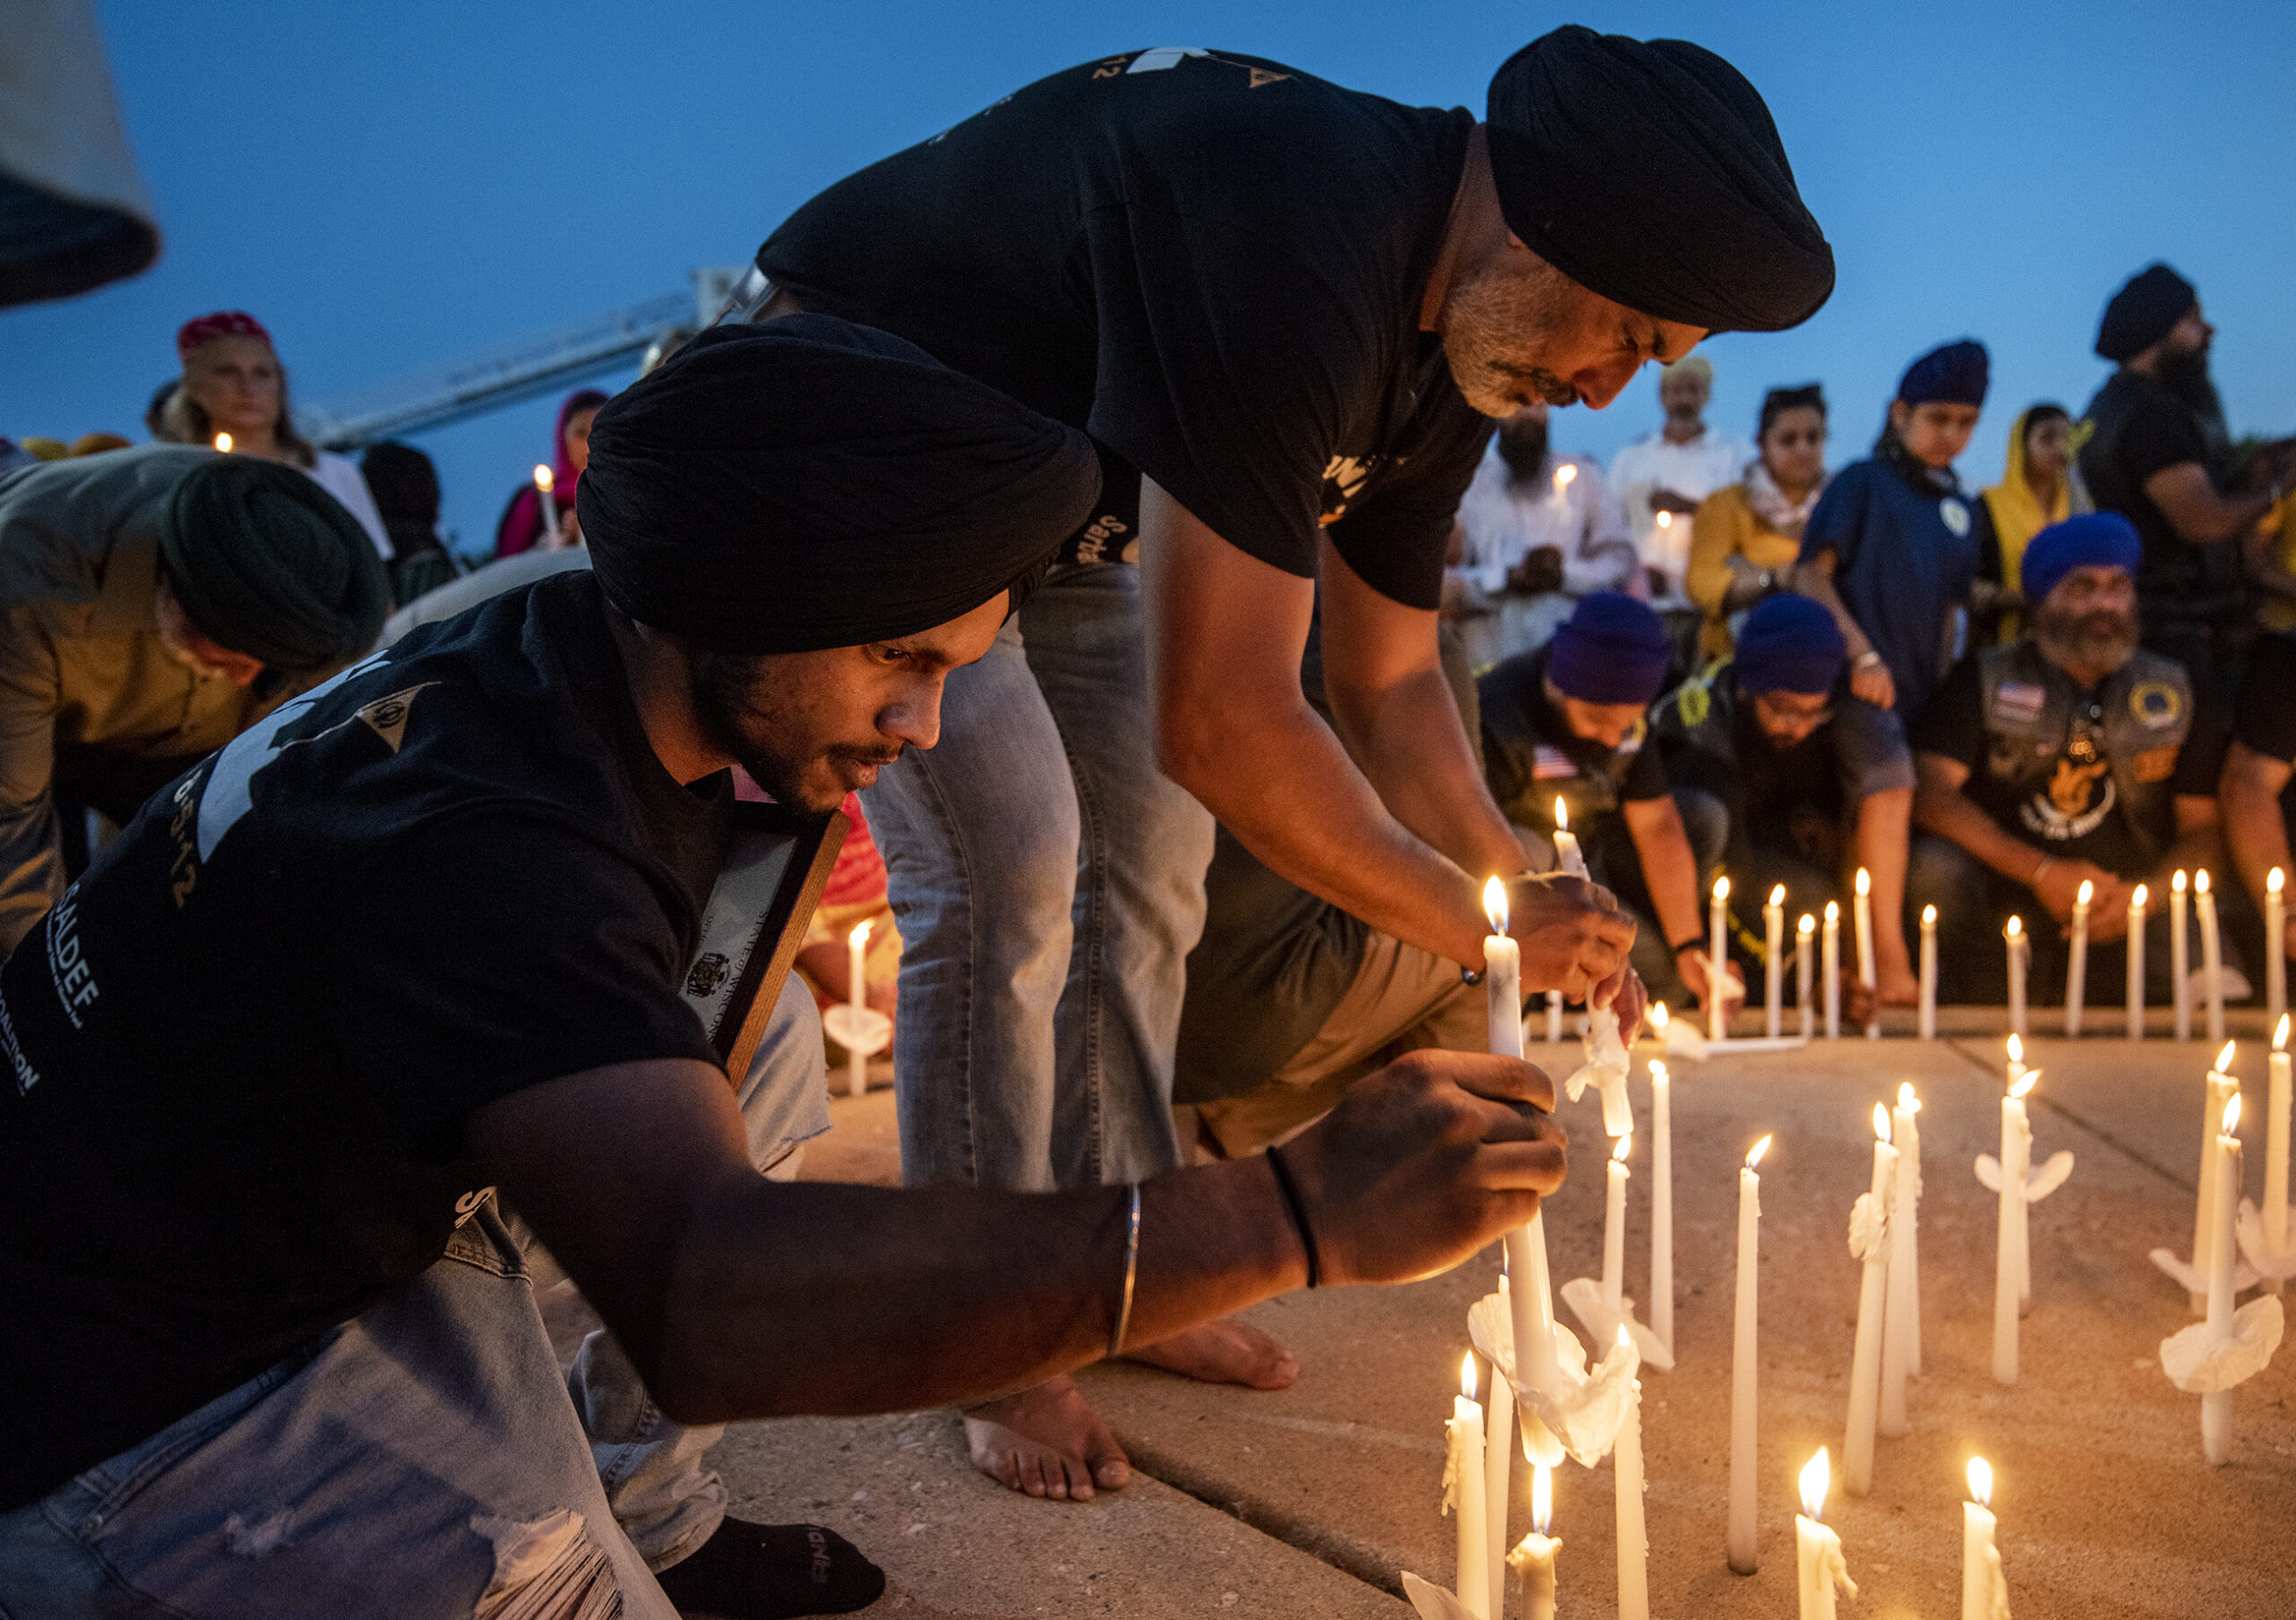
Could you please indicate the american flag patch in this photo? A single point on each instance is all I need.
(1546, 763)
(2021, 694)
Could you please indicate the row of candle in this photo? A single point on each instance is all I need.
(1819, 1566)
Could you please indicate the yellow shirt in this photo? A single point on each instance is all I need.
(1725, 527)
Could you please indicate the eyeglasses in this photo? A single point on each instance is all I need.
(1779, 713)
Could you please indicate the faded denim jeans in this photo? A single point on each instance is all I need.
(422, 1459)
(1049, 882)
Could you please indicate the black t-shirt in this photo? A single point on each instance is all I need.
(243, 1047)
(1954, 726)
(2266, 719)
(1211, 264)
(2133, 428)
(1531, 757)
(1709, 736)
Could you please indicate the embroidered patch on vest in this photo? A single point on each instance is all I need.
(2156, 764)
(2025, 696)
(1548, 762)
(2156, 703)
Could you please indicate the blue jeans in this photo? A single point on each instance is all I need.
(423, 1459)
(1048, 882)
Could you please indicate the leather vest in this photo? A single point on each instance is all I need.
(2073, 758)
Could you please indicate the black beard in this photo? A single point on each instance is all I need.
(2103, 639)
(1522, 445)
(2186, 377)
(722, 687)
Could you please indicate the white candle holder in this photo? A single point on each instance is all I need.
(1583, 1412)
(863, 1032)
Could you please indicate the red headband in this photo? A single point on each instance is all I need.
(223, 323)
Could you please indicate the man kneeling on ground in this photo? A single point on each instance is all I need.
(425, 935)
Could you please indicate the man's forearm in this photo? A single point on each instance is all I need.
(1883, 843)
(2250, 799)
(1413, 751)
(1950, 815)
(1670, 872)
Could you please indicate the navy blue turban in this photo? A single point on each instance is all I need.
(2142, 313)
(1611, 649)
(811, 484)
(2092, 540)
(1650, 172)
(1788, 643)
(1952, 374)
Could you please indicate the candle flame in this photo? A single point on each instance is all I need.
(2178, 882)
(1817, 1476)
(2280, 1035)
(1660, 1017)
(1755, 1154)
(1665, 520)
(1561, 814)
(2089, 890)
(1881, 1122)
(1929, 916)
(1494, 905)
(1906, 1098)
(543, 479)
(1466, 1375)
(1625, 1339)
(1807, 926)
(2016, 1049)
(2232, 1115)
(2275, 879)
(1625, 1146)
(1660, 1076)
(860, 934)
(1721, 888)
(1542, 1497)
(223, 443)
(1981, 1481)
(1864, 880)
(2031, 1078)
(2017, 926)
(2137, 899)
(2200, 881)
(1833, 910)
(1777, 896)
(2224, 1064)
(1563, 474)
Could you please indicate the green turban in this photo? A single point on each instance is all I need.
(267, 563)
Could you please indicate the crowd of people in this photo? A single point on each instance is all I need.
(1101, 503)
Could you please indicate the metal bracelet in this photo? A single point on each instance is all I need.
(1131, 1276)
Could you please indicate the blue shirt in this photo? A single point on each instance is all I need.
(1903, 559)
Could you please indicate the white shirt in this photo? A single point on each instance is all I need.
(1694, 471)
(340, 477)
(1567, 506)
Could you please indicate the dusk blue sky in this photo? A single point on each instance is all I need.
(392, 187)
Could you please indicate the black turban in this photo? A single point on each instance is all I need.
(269, 564)
(1651, 173)
(811, 484)
(1954, 373)
(2143, 312)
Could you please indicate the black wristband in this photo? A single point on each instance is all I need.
(1695, 942)
(1298, 1214)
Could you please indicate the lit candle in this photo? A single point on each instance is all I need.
(1745, 1554)
(1718, 953)
(1615, 1229)
(1984, 1593)
(1498, 1456)
(2275, 1147)
(2008, 1257)
(2221, 1089)
(2217, 1406)
(2136, 963)
(1865, 976)
(2022, 1236)
(1805, 934)
(2019, 955)
(1502, 975)
(2076, 966)
(1870, 1226)
(2212, 956)
(1534, 1560)
(2275, 946)
(1462, 1476)
(1530, 1298)
(856, 955)
(546, 487)
(1820, 1565)
(1901, 1322)
(1773, 937)
(1553, 1017)
(1626, 1478)
(2016, 1058)
(1929, 1024)
(1568, 857)
(1830, 970)
(1662, 1205)
(223, 443)
(2180, 958)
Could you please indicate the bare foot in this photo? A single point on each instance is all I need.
(1047, 1442)
(1223, 1352)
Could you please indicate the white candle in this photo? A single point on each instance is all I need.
(1830, 970)
(1614, 1228)
(2136, 963)
(2008, 1260)
(546, 487)
(1718, 954)
(1865, 976)
(2275, 946)
(1464, 1474)
(1773, 977)
(2216, 1408)
(1502, 976)
(1929, 1024)
(1866, 1359)
(1805, 934)
(1498, 1458)
(1744, 1545)
(1901, 1322)
(1534, 1560)
(2021, 1237)
(2016, 1058)
(1530, 1302)
(1984, 1593)
(2221, 1089)
(1553, 1017)
(2076, 966)
(2019, 955)
(856, 955)
(2180, 958)
(1819, 1563)
(1662, 1204)
(2212, 956)
(2275, 1147)
(1626, 1471)
(1568, 857)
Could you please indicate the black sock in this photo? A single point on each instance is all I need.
(772, 1572)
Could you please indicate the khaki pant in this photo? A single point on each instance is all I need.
(1403, 1000)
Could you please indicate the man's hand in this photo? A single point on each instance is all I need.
(1539, 571)
(2060, 886)
(1574, 935)
(1873, 681)
(1697, 969)
(1625, 994)
(1425, 1162)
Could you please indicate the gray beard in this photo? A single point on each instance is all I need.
(2094, 641)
